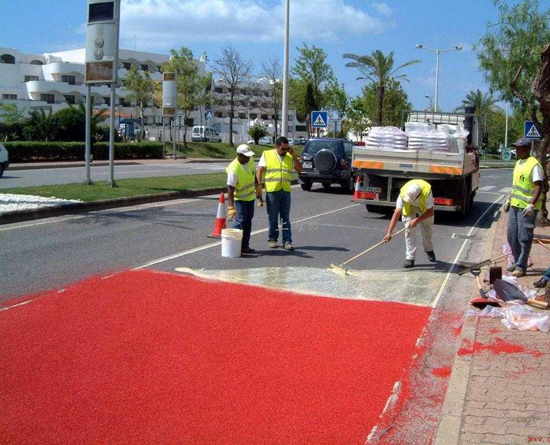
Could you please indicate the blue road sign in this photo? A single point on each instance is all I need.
(208, 114)
(532, 131)
(319, 119)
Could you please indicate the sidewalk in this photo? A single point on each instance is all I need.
(499, 392)
(45, 165)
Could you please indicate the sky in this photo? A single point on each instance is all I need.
(255, 28)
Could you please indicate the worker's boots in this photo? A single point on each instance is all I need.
(431, 256)
(408, 264)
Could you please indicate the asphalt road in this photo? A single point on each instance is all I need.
(51, 176)
(328, 228)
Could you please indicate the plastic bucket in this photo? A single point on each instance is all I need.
(231, 243)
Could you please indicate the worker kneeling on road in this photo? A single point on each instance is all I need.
(416, 204)
(241, 182)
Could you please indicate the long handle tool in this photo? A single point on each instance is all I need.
(508, 291)
(483, 263)
(344, 270)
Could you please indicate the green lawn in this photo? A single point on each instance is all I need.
(215, 150)
(126, 187)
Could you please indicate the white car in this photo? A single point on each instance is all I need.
(266, 140)
(4, 159)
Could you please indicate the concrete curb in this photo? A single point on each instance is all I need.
(450, 423)
(81, 207)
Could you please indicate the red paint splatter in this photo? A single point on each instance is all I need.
(495, 331)
(498, 347)
(444, 371)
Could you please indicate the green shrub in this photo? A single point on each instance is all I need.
(21, 151)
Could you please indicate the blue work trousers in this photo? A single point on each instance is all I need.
(278, 203)
(520, 235)
(243, 220)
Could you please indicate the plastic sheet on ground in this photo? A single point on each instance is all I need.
(518, 316)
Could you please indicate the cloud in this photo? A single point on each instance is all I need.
(383, 9)
(161, 24)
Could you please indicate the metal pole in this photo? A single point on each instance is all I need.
(163, 138)
(88, 180)
(284, 118)
(506, 131)
(174, 139)
(436, 81)
(111, 182)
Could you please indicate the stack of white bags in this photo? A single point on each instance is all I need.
(387, 138)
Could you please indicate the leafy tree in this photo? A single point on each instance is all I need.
(193, 89)
(337, 100)
(10, 114)
(235, 72)
(71, 122)
(357, 119)
(396, 101)
(257, 132)
(379, 70)
(41, 126)
(514, 55)
(142, 91)
(272, 72)
(484, 102)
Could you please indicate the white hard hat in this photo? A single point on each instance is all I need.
(412, 194)
(244, 149)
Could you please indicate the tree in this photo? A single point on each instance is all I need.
(235, 72)
(378, 69)
(396, 101)
(257, 132)
(272, 73)
(142, 91)
(484, 102)
(357, 120)
(337, 100)
(314, 74)
(41, 126)
(193, 89)
(514, 55)
(10, 114)
(72, 122)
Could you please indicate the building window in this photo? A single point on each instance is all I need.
(218, 114)
(31, 78)
(144, 67)
(189, 122)
(159, 68)
(253, 104)
(124, 102)
(126, 65)
(7, 58)
(49, 98)
(70, 99)
(36, 62)
(71, 80)
(242, 115)
(290, 129)
(301, 128)
(265, 117)
(218, 90)
(9, 96)
(107, 101)
(253, 115)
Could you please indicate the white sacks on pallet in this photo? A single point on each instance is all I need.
(387, 138)
(431, 140)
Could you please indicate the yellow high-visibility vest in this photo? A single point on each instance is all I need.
(425, 189)
(278, 175)
(523, 187)
(244, 189)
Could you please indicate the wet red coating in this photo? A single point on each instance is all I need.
(145, 357)
(497, 347)
(444, 371)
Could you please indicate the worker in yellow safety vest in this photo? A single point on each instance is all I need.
(416, 205)
(278, 165)
(523, 205)
(242, 191)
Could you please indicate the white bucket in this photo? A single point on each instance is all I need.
(232, 243)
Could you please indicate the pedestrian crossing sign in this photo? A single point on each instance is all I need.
(319, 119)
(531, 131)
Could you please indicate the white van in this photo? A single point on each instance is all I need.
(4, 159)
(205, 134)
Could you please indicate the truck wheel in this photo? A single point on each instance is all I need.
(1, 170)
(374, 209)
(326, 185)
(348, 185)
(306, 185)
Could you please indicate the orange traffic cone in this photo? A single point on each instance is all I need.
(220, 219)
(357, 193)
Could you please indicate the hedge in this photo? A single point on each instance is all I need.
(22, 151)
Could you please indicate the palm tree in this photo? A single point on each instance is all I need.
(41, 126)
(484, 102)
(378, 69)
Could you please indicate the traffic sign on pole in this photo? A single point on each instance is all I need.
(319, 119)
(532, 131)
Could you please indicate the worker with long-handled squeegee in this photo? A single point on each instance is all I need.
(416, 205)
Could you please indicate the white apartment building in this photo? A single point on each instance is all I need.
(53, 81)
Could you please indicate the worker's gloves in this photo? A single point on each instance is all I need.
(259, 190)
(231, 213)
(529, 210)
(507, 206)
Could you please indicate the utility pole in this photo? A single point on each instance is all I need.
(284, 118)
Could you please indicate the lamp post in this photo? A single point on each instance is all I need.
(437, 53)
(427, 96)
(284, 120)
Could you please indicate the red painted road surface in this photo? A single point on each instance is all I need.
(148, 358)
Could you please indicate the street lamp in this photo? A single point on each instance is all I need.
(284, 120)
(437, 53)
(427, 96)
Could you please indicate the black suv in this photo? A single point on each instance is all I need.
(327, 161)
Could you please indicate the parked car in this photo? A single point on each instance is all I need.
(201, 133)
(4, 159)
(327, 161)
(266, 140)
(300, 141)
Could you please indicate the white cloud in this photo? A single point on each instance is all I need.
(383, 9)
(170, 23)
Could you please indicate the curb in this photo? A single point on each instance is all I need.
(450, 423)
(80, 207)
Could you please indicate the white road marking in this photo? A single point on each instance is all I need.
(506, 190)
(487, 188)
(217, 243)
(442, 288)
